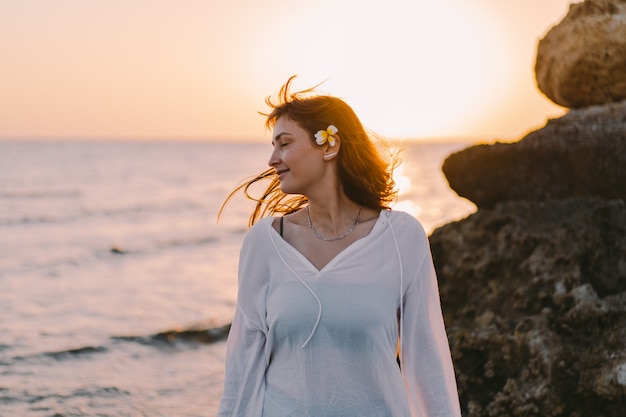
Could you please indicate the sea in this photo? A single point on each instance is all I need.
(118, 282)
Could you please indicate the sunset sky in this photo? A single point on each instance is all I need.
(200, 69)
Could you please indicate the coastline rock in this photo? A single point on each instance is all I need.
(534, 298)
(582, 154)
(533, 285)
(582, 60)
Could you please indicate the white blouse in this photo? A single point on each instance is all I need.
(323, 343)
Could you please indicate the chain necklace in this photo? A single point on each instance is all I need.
(332, 239)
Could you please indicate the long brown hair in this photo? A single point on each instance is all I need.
(366, 177)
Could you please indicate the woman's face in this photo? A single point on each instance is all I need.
(297, 160)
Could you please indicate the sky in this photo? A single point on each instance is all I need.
(201, 69)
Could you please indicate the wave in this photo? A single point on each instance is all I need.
(42, 216)
(103, 254)
(143, 208)
(61, 354)
(79, 215)
(35, 194)
(197, 241)
(81, 351)
(192, 335)
(32, 397)
(28, 220)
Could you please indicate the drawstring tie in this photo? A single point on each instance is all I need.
(319, 303)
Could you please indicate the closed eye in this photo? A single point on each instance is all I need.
(281, 139)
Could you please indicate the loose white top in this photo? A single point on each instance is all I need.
(323, 343)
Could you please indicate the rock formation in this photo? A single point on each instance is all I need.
(535, 303)
(533, 285)
(582, 154)
(581, 61)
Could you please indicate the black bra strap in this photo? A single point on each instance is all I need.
(281, 226)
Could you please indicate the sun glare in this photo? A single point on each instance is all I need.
(408, 68)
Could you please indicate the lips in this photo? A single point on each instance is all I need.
(279, 172)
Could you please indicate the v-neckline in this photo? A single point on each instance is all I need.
(307, 262)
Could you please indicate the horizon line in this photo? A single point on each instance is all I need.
(246, 140)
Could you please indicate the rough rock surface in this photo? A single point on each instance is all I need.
(582, 61)
(533, 285)
(582, 154)
(534, 298)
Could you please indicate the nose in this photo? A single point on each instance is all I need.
(274, 159)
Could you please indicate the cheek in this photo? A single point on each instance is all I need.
(309, 161)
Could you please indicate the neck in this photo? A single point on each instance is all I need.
(332, 217)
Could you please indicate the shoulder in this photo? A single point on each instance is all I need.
(257, 237)
(254, 254)
(259, 230)
(407, 231)
(411, 242)
(404, 222)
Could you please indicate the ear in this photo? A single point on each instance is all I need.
(331, 152)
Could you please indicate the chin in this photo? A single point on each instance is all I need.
(286, 189)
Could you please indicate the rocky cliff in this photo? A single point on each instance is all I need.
(533, 285)
(534, 297)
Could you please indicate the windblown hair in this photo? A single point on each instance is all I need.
(366, 177)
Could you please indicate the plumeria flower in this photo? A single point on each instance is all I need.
(328, 135)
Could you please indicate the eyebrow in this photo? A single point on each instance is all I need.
(279, 136)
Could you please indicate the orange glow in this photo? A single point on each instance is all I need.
(201, 69)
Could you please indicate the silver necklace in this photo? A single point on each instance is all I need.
(332, 239)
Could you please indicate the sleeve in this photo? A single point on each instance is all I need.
(244, 380)
(426, 359)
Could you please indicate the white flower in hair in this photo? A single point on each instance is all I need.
(328, 135)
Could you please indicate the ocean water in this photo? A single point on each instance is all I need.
(117, 283)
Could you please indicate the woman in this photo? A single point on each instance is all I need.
(338, 310)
